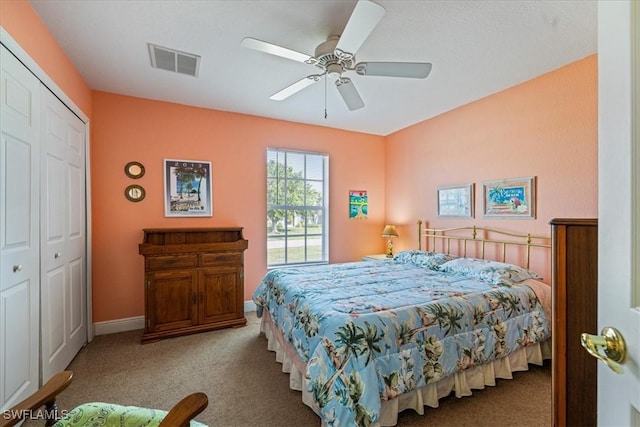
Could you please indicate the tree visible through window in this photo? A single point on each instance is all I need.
(297, 219)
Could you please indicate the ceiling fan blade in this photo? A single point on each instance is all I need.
(349, 93)
(295, 87)
(273, 49)
(363, 20)
(416, 70)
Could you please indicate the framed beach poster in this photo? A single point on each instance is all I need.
(187, 188)
(509, 198)
(456, 201)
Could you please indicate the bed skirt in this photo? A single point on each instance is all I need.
(462, 383)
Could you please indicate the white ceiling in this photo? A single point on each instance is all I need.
(477, 48)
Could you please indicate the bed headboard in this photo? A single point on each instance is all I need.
(477, 241)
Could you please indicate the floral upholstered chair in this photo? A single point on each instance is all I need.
(101, 414)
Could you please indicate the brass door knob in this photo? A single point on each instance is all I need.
(615, 349)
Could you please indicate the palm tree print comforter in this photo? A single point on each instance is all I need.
(370, 331)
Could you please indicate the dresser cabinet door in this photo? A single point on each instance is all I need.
(172, 300)
(221, 294)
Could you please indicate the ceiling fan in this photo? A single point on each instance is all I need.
(336, 56)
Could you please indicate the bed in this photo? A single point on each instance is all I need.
(365, 340)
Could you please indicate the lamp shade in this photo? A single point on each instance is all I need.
(390, 231)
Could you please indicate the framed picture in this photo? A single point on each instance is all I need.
(510, 198)
(187, 188)
(456, 201)
(358, 204)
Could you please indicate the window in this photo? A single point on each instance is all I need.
(297, 206)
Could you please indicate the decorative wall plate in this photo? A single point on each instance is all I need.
(134, 170)
(134, 193)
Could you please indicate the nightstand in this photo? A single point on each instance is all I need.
(375, 257)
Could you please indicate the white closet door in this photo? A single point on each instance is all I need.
(63, 235)
(19, 237)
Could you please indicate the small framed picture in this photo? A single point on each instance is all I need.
(358, 204)
(509, 198)
(456, 201)
(187, 188)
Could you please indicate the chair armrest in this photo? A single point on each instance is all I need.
(185, 410)
(46, 395)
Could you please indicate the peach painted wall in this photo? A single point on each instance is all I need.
(546, 127)
(23, 24)
(126, 129)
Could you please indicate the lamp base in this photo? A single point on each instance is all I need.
(389, 249)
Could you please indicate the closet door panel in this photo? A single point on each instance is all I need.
(53, 274)
(76, 233)
(63, 235)
(77, 313)
(19, 235)
(76, 224)
(53, 341)
(17, 228)
(53, 188)
(17, 369)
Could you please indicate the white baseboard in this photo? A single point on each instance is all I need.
(249, 306)
(118, 325)
(133, 323)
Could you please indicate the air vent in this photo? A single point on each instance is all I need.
(174, 60)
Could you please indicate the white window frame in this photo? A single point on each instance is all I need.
(306, 234)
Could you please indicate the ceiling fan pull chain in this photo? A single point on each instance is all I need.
(325, 96)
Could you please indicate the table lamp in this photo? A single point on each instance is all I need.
(389, 231)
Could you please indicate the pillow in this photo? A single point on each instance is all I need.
(494, 272)
(424, 259)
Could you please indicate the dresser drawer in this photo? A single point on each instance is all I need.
(171, 261)
(208, 260)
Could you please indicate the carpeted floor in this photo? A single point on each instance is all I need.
(246, 386)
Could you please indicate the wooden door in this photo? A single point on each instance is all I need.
(171, 299)
(221, 294)
(19, 241)
(63, 235)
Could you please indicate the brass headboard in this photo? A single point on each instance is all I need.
(439, 240)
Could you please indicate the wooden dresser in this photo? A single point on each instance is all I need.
(574, 244)
(194, 280)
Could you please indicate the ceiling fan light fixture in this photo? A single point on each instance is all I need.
(334, 71)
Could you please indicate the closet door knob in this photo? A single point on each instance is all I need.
(17, 268)
(57, 255)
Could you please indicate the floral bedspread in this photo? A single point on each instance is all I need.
(370, 331)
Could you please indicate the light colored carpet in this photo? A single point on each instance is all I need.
(246, 386)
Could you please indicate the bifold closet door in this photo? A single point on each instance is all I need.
(19, 236)
(62, 235)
